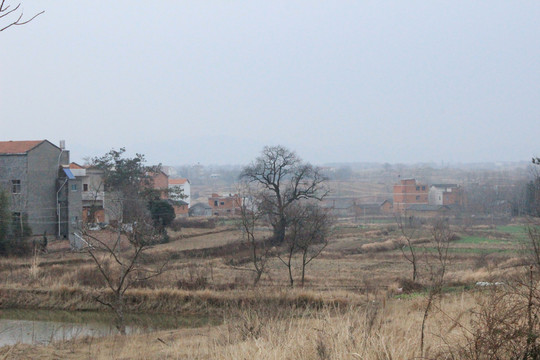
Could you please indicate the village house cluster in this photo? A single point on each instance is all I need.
(57, 196)
(408, 198)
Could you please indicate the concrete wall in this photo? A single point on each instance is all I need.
(74, 190)
(13, 167)
(42, 169)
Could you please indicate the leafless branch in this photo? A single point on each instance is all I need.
(6, 10)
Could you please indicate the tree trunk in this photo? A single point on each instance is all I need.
(279, 231)
(304, 258)
(290, 274)
(119, 310)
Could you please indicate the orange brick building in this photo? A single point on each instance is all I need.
(225, 205)
(180, 207)
(409, 192)
(160, 182)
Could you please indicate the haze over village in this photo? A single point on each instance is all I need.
(269, 180)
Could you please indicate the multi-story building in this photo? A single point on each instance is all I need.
(30, 172)
(181, 184)
(92, 193)
(408, 192)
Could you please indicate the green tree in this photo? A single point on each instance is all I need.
(162, 214)
(128, 182)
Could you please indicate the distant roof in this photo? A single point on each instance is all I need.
(203, 205)
(74, 165)
(69, 174)
(180, 181)
(426, 207)
(445, 185)
(177, 202)
(18, 147)
(368, 205)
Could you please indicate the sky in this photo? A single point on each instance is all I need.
(336, 81)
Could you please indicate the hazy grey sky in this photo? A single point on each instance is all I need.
(215, 81)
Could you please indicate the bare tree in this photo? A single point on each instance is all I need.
(283, 179)
(313, 236)
(118, 252)
(8, 15)
(250, 219)
(307, 236)
(119, 259)
(441, 235)
(408, 228)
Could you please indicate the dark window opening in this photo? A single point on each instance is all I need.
(85, 187)
(15, 186)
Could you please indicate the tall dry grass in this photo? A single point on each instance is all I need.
(373, 331)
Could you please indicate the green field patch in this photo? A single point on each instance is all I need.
(512, 229)
(479, 240)
(465, 250)
(425, 292)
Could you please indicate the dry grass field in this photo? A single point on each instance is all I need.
(358, 302)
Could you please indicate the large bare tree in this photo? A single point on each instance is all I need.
(282, 179)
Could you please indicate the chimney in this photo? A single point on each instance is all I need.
(63, 144)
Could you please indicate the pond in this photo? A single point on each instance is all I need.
(44, 326)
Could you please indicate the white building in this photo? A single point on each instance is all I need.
(182, 184)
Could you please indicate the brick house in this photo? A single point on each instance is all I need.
(225, 205)
(160, 183)
(408, 192)
(180, 207)
(387, 207)
(446, 194)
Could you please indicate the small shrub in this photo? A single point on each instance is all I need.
(408, 286)
(198, 223)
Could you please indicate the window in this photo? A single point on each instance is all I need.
(73, 187)
(85, 187)
(222, 203)
(15, 186)
(215, 203)
(417, 188)
(417, 197)
(423, 188)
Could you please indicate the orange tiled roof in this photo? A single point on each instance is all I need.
(74, 165)
(18, 147)
(177, 181)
